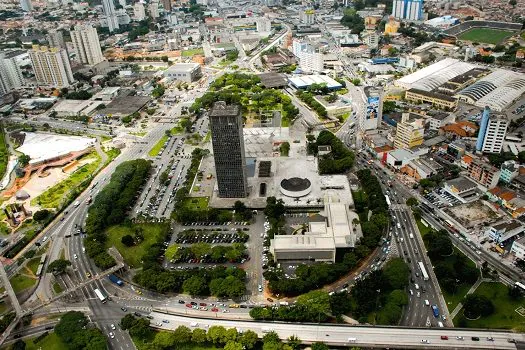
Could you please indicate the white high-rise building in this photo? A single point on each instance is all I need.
(307, 16)
(55, 38)
(87, 45)
(495, 134)
(409, 10)
(139, 14)
(10, 74)
(153, 9)
(51, 66)
(122, 3)
(111, 16)
(26, 5)
(264, 25)
(309, 60)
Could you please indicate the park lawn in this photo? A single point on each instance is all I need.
(33, 264)
(22, 282)
(56, 196)
(3, 307)
(453, 300)
(422, 228)
(504, 315)
(56, 288)
(485, 35)
(158, 146)
(189, 53)
(4, 153)
(196, 203)
(52, 341)
(133, 255)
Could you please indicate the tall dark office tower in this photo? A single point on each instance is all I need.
(228, 150)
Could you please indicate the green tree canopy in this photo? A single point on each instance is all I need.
(58, 266)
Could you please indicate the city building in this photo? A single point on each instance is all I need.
(187, 72)
(409, 10)
(509, 170)
(409, 133)
(503, 231)
(335, 228)
(512, 202)
(421, 168)
(491, 133)
(483, 173)
(370, 39)
(87, 45)
(153, 9)
(518, 248)
(373, 115)
(436, 99)
(55, 38)
(166, 4)
(139, 13)
(463, 189)
(228, 150)
(264, 25)
(438, 119)
(392, 26)
(459, 130)
(10, 74)
(51, 66)
(111, 16)
(26, 5)
(307, 16)
(309, 60)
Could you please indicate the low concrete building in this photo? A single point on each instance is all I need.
(518, 248)
(463, 189)
(339, 230)
(188, 72)
(503, 231)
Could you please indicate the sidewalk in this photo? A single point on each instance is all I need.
(470, 291)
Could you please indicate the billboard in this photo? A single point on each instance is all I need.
(372, 108)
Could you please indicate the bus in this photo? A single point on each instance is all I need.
(520, 285)
(43, 258)
(423, 270)
(387, 200)
(100, 295)
(39, 270)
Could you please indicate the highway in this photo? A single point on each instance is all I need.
(341, 335)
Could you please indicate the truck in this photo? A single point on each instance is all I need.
(115, 280)
(100, 295)
(435, 311)
(76, 204)
(423, 270)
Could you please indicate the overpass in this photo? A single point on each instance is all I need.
(366, 336)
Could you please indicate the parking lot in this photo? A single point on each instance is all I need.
(214, 236)
(441, 199)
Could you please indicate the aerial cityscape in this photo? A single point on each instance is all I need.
(262, 174)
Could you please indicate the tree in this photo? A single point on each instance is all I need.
(127, 240)
(233, 345)
(521, 157)
(164, 340)
(140, 328)
(41, 215)
(294, 342)
(58, 266)
(513, 3)
(216, 334)
(72, 330)
(19, 345)
(317, 301)
(411, 202)
(477, 305)
(182, 335)
(396, 271)
(127, 321)
(23, 160)
(319, 346)
(198, 336)
(248, 339)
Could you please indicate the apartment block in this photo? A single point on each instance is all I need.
(87, 45)
(10, 74)
(409, 133)
(483, 173)
(51, 66)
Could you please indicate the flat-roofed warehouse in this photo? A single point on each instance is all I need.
(125, 105)
(188, 72)
(273, 80)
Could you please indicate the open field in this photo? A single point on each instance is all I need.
(189, 53)
(504, 316)
(21, 282)
(55, 196)
(485, 35)
(196, 203)
(133, 255)
(33, 264)
(51, 341)
(156, 149)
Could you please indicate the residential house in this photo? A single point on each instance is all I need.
(503, 231)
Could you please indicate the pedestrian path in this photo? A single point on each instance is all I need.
(470, 291)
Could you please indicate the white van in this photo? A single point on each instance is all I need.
(352, 340)
(411, 236)
(440, 324)
(398, 225)
(427, 303)
(416, 286)
(194, 324)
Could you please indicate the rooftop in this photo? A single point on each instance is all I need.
(462, 184)
(221, 109)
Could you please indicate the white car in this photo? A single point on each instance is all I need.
(111, 335)
(75, 256)
(113, 326)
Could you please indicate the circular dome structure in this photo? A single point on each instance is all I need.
(295, 187)
(21, 195)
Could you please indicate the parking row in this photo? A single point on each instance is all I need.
(227, 223)
(195, 237)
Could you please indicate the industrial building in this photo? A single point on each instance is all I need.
(335, 229)
(188, 72)
(228, 150)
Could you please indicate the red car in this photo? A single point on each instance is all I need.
(202, 304)
(214, 310)
(189, 305)
(444, 337)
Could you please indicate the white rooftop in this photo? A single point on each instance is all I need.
(307, 80)
(41, 147)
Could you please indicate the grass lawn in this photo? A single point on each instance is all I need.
(504, 315)
(133, 255)
(422, 228)
(156, 149)
(4, 154)
(189, 53)
(33, 264)
(196, 203)
(52, 341)
(485, 35)
(3, 307)
(4, 229)
(141, 133)
(55, 196)
(56, 288)
(21, 282)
